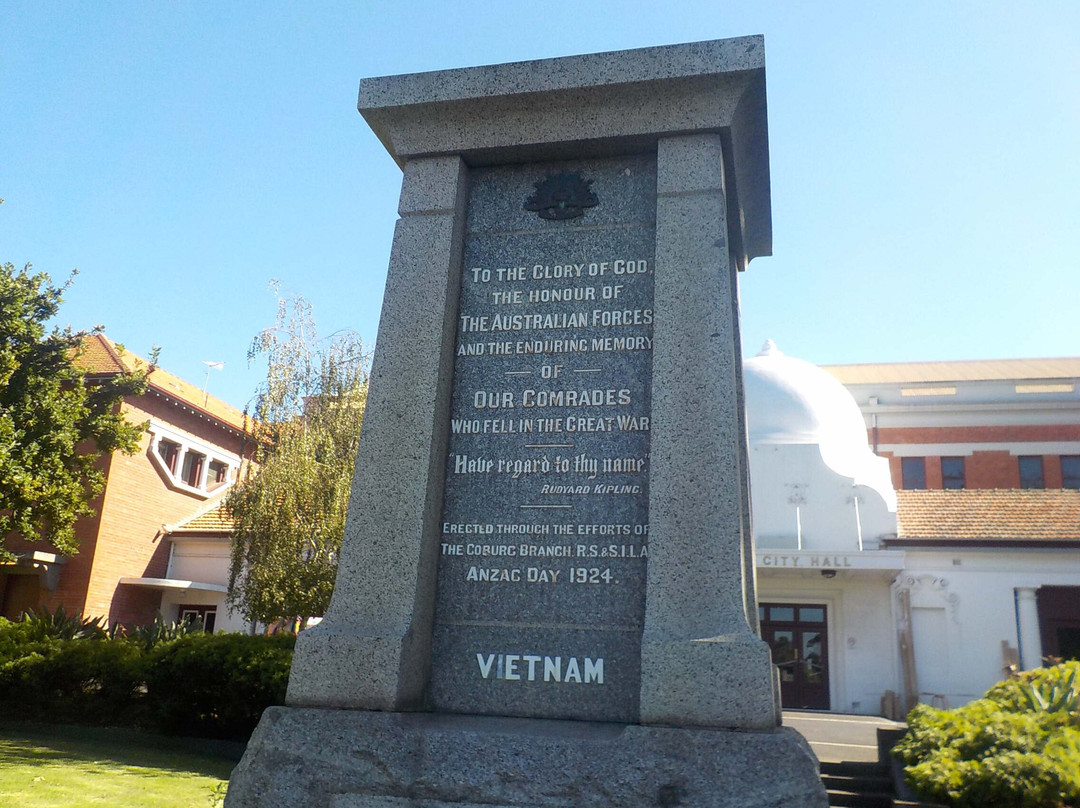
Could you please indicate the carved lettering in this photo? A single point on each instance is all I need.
(545, 509)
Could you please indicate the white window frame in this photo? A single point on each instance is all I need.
(199, 614)
(210, 453)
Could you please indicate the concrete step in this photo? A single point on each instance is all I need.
(864, 783)
(852, 768)
(857, 785)
(854, 799)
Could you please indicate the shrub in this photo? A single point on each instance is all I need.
(15, 640)
(217, 685)
(73, 680)
(214, 685)
(1017, 746)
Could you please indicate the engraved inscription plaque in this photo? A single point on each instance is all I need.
(544, 535)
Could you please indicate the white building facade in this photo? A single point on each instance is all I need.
(873, 599)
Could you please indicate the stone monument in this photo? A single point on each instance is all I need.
(545, 595)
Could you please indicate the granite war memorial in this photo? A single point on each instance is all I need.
(546, 592)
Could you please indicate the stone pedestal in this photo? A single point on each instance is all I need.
(351, 759)
(546, 593)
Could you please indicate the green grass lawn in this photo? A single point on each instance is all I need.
(54, 766)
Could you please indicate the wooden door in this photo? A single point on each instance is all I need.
(797, 633)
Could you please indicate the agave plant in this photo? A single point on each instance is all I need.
(162, 631)
(62, 626)
(1062, 696)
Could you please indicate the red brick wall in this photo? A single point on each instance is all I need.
(997, 469)
(978, 434)
(894, 468)
(933, 472)
(138, 503)
(1052, 471)
(75, 571)
(982, 469)
(993, 469)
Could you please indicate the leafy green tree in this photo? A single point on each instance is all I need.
(55, 423)
(289, 509)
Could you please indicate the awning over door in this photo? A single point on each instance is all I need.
(173, 585)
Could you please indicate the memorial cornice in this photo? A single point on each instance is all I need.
(597, 105)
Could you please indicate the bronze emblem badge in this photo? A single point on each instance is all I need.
(562, 196)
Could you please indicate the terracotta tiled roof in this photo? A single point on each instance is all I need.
(976, 370)
(102, 356)
(990, 515)
(212, 518)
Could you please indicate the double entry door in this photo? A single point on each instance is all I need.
(798, 636)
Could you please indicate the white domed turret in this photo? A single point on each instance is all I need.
(810, 459)
(796, 402)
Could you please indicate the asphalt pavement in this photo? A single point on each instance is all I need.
(837, 736)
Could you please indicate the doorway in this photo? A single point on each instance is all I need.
(202, 617)
(798, 634)
(18, 593)
(1059, 621)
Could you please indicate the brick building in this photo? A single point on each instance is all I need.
(1003, 424)
(918, 533)
(188, 457)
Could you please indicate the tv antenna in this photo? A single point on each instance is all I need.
(206, 382)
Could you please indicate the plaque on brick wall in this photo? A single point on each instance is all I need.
(544, 533)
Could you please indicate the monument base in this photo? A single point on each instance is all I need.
(314, 758)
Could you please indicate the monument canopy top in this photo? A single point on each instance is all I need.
(658, 63)
(594, 105)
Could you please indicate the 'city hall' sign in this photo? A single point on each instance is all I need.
(811, 560)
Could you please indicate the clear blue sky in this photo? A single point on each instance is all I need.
(925, 163)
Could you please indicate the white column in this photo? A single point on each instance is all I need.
(1027, 627)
